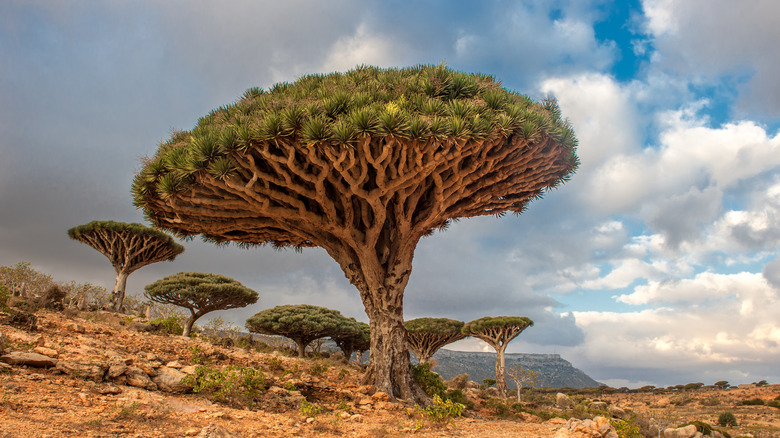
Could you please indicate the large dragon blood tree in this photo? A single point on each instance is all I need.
(362, 164)
(426, 336)
(128, 247)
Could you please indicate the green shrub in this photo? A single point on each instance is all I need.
(727, 419)
(773, 403)
(457, 396)
(171, 325)
(4, 294)
(488, 382)
(627, 428)
(319, 369)
(309, 410)
(498, 406)
(753, 402)
(443, 410)
(430, 382)
(233, 385)
(343, 374)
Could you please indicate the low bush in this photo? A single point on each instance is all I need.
(701, 427)
(627, 428)
(773, 403)
(727, 419)
(430, 382)
(499, 407)
(233, 385)
(753, 402)
(171, 325)
(443, 410)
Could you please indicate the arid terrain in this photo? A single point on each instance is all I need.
(109, 378)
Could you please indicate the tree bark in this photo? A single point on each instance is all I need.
(500, 371)
(188, 326)
(118, 294)
(301, 349)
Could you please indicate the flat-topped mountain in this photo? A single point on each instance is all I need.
(554, 371)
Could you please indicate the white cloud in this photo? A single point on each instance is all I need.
(708, 40)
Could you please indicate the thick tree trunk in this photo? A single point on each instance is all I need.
(500, 371)
(390, 369)
(188, 326)
(118, 294)
(301, 349)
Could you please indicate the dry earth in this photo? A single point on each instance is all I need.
(47, 402)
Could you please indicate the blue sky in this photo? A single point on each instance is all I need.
(658, 263)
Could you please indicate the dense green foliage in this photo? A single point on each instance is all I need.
(434, 326)
(486, 323)
(753, 402)
(727, 419)
(234, 385)
(352, 336)
(422, 102)
(302, 323)
(627, 428)
(430, 382)
(171, 325)
(200, 293)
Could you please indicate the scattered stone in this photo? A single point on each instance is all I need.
(192, 431)
(310, 420)
(680, 432)
(72, 326)
(46, 351)
(380, 396)
(138, 378)
(84, 370)
(40, 342)
(170, 380)
(147, 369)
(174, 364)
(365, 401)
(356, 418)
(109, 390)
(5, 367)
(599, 427)
(30, 359)
(116, 367)
(562, 400)
(601, 406)
(215, 431)
(617, 412)
(36, 376)
(365, 389)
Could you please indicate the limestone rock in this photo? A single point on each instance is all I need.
(600, 406)
(75, 328)
(562, 400)
(46, 351)
(30, 359)
(170, 380)
(598, 427)
(216, 431)
(84, 370)
(138, 378)
(617, 412)
(380, 396)
(681, 432)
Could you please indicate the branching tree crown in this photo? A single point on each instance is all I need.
(427, 335)
(302, 323)
(128, 247)
(498, 331)
(200, 293)
(362, 164)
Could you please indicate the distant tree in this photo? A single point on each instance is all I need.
(721, 384)
(693, 386)
(200, 293)
(4, 294)
(498, 332)
(425, 336)
(522, 376)
(128, 247)
(363, 164)
(302, 323)
(24, 281)
(352, 336)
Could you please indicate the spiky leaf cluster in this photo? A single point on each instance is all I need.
(352, 336)
(425, 336)
(422, 104)
(437, 326)
(201, 292)
(497, 330)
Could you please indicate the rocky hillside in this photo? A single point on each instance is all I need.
(554, 371)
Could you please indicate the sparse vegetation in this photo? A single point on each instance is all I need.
(727, 419)
(430, 382)
(233, 385)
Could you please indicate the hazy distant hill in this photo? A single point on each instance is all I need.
(555, 372)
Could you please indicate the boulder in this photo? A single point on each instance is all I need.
(170, 380)
(137, 377)
(562, 400)
(84, 370)
(599, 406)
(617, 412)
(46, 351)
(30, 359)
(598, 427)
(688, 431)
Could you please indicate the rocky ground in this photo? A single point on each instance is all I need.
(97, 375)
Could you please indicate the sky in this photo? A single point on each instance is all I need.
(658, 263)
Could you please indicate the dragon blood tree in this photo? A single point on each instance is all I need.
(363, 164)
(352, 336)
(300, 322)
(498, 331)
(200, 293)
(129, 247)
(426, 336)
